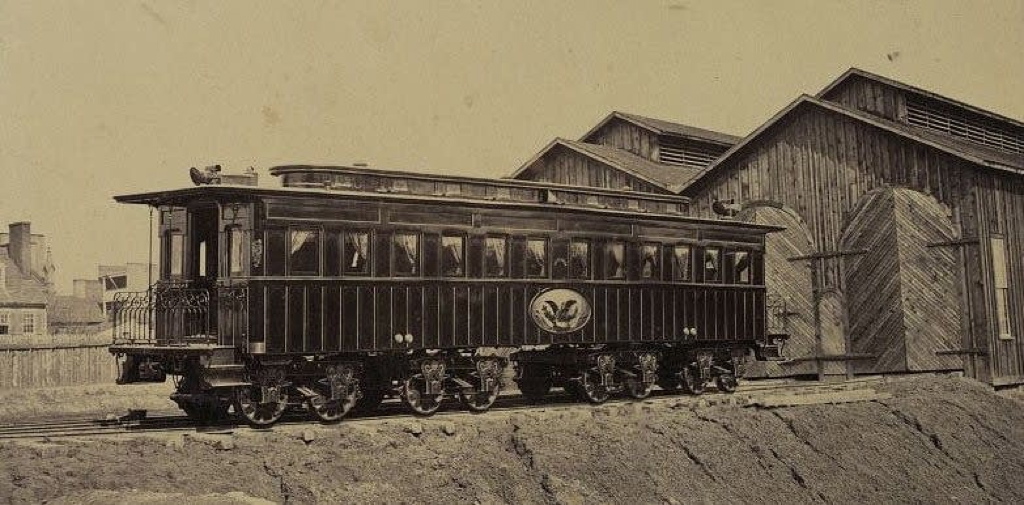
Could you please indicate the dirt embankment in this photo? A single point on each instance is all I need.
(936, 440)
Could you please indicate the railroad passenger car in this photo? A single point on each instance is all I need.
(349, 284)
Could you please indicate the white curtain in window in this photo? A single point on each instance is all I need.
(616, 255)
(300, 237)
(682, 265)
(496, 249)
(452, 255)
(407, 245)
(536, 252)
(359, 243)
(579, 255)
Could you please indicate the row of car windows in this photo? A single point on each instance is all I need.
(302, 252)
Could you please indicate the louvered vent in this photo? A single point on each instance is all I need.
(679, 152)
(960, 125)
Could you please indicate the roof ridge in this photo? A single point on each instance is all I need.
(940, 143)
(914, 89)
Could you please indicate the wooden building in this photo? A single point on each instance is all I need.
(626, 151)
(904, 248)
(904, 216)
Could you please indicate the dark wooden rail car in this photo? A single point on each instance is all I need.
(348, 282)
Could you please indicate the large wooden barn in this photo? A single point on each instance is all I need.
(904, 248)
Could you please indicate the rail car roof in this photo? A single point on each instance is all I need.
(240, 192)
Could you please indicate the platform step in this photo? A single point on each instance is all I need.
(826, 398)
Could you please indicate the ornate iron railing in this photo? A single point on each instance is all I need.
(175, 314)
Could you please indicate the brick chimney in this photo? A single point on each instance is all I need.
(20, 246)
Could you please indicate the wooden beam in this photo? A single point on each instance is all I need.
(973, 351)
(833, 357)
(955, 243)
(828, 254)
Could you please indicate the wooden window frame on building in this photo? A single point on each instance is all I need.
(28, 324)
(1001, 288)
(5, 322)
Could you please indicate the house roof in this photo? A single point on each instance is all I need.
(671, 178)
(20, 289)
(68, 310)
(856, 72)
(969, 151)
(661, 126)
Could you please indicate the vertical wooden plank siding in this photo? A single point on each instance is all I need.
(821, 164)
(566, 166)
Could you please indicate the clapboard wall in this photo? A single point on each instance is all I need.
(820, 164)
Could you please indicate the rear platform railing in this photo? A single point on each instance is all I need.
(167, 314)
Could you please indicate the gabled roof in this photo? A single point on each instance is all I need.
(906, 87)
(663, 127)
(969, 151)
(20, 289)
(671, 178)
(72, 310)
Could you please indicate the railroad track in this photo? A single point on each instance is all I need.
(171, 421)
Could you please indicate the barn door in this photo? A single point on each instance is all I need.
(789, 281)
(903, 301)
(930, 274)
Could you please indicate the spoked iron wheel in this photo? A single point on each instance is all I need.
(636, 388)
(415, 397)
(590, 390)
(328, 410)
(258, 414)
(726, 383)
(478, 401)
(691, 382)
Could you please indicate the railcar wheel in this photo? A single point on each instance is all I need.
(331, 411)
(691, 382)
(415, 397)
(256, 413)
(478, 401)
(636, 388)
(726, 383)
(591, 391)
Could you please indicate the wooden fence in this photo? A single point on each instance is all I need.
(56, 360)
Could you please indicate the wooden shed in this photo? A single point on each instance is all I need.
(627, 151)
(904, 248)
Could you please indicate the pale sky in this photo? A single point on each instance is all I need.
(99, 98)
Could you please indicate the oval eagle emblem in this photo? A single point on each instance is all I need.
(560, 310)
